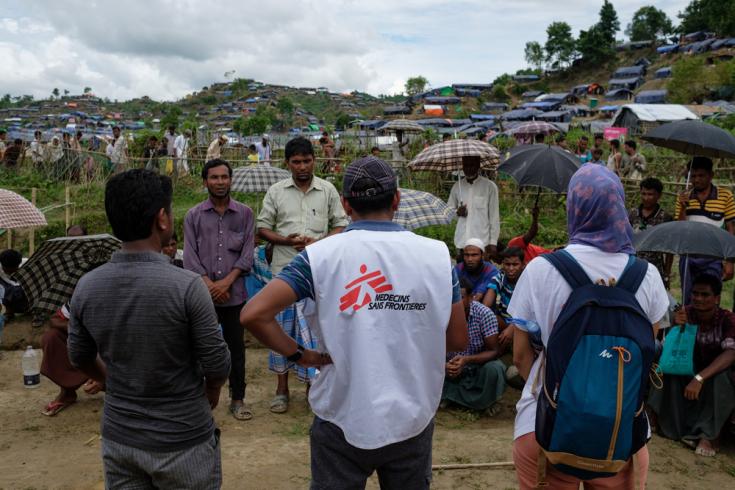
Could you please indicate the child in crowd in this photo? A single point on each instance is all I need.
(500, 290)
(171, 251)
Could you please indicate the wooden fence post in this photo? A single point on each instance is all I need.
(67, 207)
(32, 238)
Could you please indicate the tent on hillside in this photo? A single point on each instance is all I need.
(663, 72)
(394, 110)
(669, 48)
(532, 94)
(619, 94)
(433, 110)
(482, 117)
(580, 90)
(630, 72)
(555, 116)
(651, 97)
(642, 62)
(441, 100)
(561, 97)
(473, 86)
(629, 83)
(494, 106)
(520, 115)
(639, 118)
(526, 78)
(467, 92)
(543, 105)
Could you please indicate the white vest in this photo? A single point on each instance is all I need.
(383, 301)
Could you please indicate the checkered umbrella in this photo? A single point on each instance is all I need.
(51, 274)
(532, 128)
(257, 178)
(448, 155)
(403, 125)
(17, 212)
(419, 208)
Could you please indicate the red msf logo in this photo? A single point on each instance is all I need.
(377, 282)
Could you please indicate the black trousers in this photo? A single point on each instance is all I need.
(234, 334)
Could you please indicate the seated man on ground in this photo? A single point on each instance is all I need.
(695, 409)
(56, 366)
(500, 290)
(170, 251)
(530, 251)
(12, 295)
(477, 271)
(475, 377)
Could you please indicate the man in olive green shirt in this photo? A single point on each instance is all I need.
(296, 212)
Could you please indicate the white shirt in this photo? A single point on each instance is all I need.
(483, 215)
(386, 333)
(214, 150)
(264, 152)
(119, 151)
(541, 293)
(181, 145)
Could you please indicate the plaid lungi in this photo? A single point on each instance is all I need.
(294, 323)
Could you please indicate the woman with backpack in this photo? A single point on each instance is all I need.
(587, 351)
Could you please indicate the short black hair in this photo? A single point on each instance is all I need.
(466, 284)
(713, 282)
(215, 162)
(82, 228)
(252, 147)
(583, 138)
(702, 163)
(10, 258)
(18, 141)
(374, 148)
(133, 199)
(597, 152)
(652, 183)
(368, 204)
(598, 136)
(299, 146)
(631, 143)
(511, 252)
(174, 237)
(615, 143)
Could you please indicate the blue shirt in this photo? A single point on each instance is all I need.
(480, 280)
(297, 273)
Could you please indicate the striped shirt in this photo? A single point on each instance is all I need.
(481, 324)
(717, 209)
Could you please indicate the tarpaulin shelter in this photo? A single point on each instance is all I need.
(663, 72)
(555, 116)
(619, 94)
(467, 92)
(651, 97)
(542, 106)
(433, 110)
(669, 48)
(580, 89)
(473, 86)
(520, 115)
(494, 106)
(532, 94)
(482, 117)
(629, 83)
(630, 71)
(639, 118)
(526, 78)
(441, 100)
(393, 110)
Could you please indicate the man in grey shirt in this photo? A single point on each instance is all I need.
(162, 358)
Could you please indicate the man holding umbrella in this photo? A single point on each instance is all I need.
(705, 203)
(475, 200)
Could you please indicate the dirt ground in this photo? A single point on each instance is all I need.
(272, 451)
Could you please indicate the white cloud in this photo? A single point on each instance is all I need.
(167, 48)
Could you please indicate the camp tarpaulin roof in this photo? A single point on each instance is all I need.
(663, 72)
(468, 92)
(482, 117)
(374, 124)
(723, 106)
(619, 93)
(489, 106)
(651, 97)
(396, 109)
(624, 83)
(561, 116)
(580, 89)
(532, 94)
(629, 71)
(669, 48)
(442, 100)
(435, 121)
(555, 97)
(609, 108)
(520, 115)
(629, 114)
(543, 105)
(473, 86)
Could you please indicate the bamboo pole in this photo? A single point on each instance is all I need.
(67, 207)
(10, 238)
(32, 238)
(469, 466)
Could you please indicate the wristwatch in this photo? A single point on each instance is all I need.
(296, 356)
(699, 378)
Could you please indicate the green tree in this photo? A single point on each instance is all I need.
(55, 92)
(87, 90)
(416, 85)
(688, 82)
(534, 54)
(560, 45)
(709, 15)
(594, 46)
(608, 25)
(172, 117)
(499, 94)
(285, 106)
(342, 121)
(66, 91)
(648, 24)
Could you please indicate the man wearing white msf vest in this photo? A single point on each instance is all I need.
(388, 308)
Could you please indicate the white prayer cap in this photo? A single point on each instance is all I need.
(474, 242)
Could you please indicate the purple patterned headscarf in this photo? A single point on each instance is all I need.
(596, 212)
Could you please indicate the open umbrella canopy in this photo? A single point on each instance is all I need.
(693, 137)
(257, 178)
(17, 212)
(419, 208)
(51, 274)
(403, 125)
(686, 238)
(448, 155)
(531, 128)
(541, 165)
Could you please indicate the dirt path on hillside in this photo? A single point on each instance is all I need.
(272, 451)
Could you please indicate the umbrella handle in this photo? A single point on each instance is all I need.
(537, 196)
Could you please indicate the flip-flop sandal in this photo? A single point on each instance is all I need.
(55, 407)
(279, 404)
(692, 444)
(707, 453)
(241, 412)
(493, 410)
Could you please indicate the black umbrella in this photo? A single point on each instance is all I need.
(686, 238)
(693, 137)
(541, 165)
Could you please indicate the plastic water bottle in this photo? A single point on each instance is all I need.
(31, 373)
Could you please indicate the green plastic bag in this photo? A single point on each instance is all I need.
(678, 354)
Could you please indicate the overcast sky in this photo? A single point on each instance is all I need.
(166, 49)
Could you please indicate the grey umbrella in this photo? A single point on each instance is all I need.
(686, 238)
(693, 138)
(541, 165)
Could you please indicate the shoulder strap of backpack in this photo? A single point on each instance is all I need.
(633, 274)
(569, 269)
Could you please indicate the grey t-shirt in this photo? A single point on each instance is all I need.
(155, 328)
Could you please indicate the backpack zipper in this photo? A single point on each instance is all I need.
(622, 352)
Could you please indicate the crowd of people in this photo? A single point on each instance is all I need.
(382, 325)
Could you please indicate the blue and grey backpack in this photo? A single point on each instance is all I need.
(590, 418)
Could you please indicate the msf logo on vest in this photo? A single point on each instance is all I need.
(358, 294)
